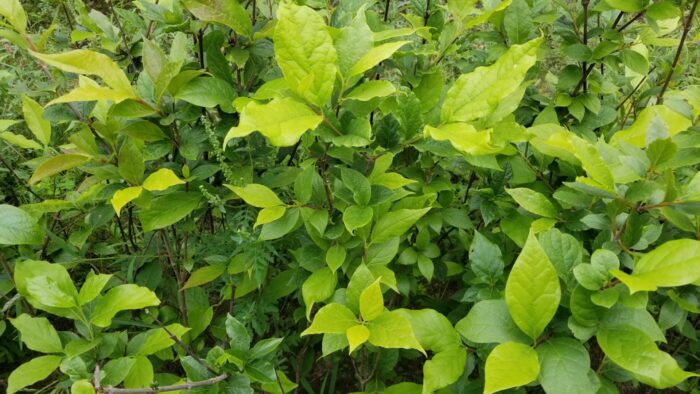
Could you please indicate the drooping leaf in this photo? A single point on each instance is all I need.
(56, 165)
(257, 195)
(32, 371)
(510, 365)
(121, 298)
(318, 287)
(124, 196)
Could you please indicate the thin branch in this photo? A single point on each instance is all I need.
(686, 30)
(160, 389)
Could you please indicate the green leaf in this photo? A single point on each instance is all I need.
(358, 185)
(371, 302)
(168, 209)
(124, 196)
(488, 321)
(355, 217)
(563, 250)
(533, 202)
(141, 373)
(305, 53)
(208, 92)
(443, 369)
(331, 319)
(318, 287)
(91, 288)
(395, 223)
(675, 263)
(635, 61)
(257, 195)
(633, 350)
(510, 365)
(26, 274)
(204, 275)
(371, 89)
(161, 180)
(131, 165)
(37, 333)
(281, 121)
(14, 13)
(475, 95)
(375, 56)
(32, 371)
(89, 90)
(357, 335)
(121, 298)
(85, 62)
(56, 164)
(485, 257)
(335, 256)
(532, 289)
(227, 12)
(564, 367)
(17, 227)
(33, 116)
(155, 340)
(392, 330)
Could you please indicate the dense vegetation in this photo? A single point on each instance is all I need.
(213, 196)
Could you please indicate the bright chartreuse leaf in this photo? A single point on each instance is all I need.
(510, 365)
(637, 133)
(627, 5)
(121, 298)
(281, 121)
(375, 56)
(564, 367)
(532, 290)
(392, 330)
(14, 13)
(489, 321)
(356, 216)
(465, 138)
(477, 94)
(335, 256)
(331, 319)
(124, 196)
(304, 51)
(19, 140)
(227, 12)
(89, 90)
(204, 275)
(257, 195)
(533, 202)
(395, 223)
(357, 335)
(32, 371)
(17, 227)
(91, 288)
(370, 90)
(352, 42)
(318, 287)
(269, 214)
(155, 340)
(37, 333)
(33, 116)
(82, 387)
(371, 302)
(86, 62)
(674, 263)
(57, 164)
(161, 180)
(444, 369)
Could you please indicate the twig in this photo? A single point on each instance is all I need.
(386, 10)
(686, 29)
(9, 303)
(160, 389)
(178, 277)
(584, 3)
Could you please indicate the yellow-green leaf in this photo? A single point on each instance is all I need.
(636, 134)
(533, 201)
(675, 263)
(331, 319)
(204, 275)
(371, 89)
(33, 116)
(371, 301)
(375, 56)
(14, 13)
(510, 365)
(281, 121)
(257, 195)
(57, 164)
(269, 214)
(89, 90)
(162, 179)
(477, 94)
(532, 289)
(19, 140)
(357, 335)
(465, 138)
(227, 12)
(121, 298)
(124, 196)
(305, 53)
(32, 371)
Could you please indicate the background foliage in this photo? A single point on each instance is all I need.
(349, 196)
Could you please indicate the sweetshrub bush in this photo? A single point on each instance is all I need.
(214, 196)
